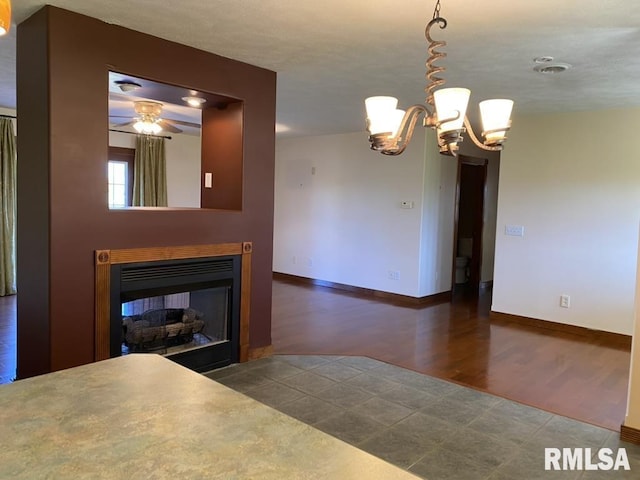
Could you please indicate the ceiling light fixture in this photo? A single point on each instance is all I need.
(194, 101)
(127, 86)
(5, 16)
(390, 130)
(148, 118)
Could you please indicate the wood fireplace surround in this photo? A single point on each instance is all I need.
(104, 259)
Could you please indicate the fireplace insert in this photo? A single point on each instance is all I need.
(187, 310)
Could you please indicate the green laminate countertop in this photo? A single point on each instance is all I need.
(142, 416)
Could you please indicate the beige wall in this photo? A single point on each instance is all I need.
(338, 216)
(573, 181)
(490, 218)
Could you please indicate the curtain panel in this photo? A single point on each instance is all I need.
(7, 208)
(149, 172)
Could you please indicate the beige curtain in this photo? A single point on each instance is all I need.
(7, 208)
(149, 172)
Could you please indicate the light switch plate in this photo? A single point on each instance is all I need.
(208, 180)
(514, 230)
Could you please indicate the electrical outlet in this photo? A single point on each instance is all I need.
(565, 301)
(394, 275)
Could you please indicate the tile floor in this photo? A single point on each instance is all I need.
(433, 428)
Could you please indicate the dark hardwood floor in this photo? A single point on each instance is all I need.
(576, 376)
(584, 378)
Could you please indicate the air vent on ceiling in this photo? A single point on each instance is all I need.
(552, 67)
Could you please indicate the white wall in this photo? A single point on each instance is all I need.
(183, 166)
(344, 223)
(490, 217)
(439, 191)
(573, 181)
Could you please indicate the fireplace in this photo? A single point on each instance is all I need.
(187, 303)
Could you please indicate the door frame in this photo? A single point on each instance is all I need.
(477, 246)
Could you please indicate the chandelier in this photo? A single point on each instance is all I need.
(390, 129)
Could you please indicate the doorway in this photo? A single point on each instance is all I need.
(469, 224)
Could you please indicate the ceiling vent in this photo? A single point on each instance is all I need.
(552, 67)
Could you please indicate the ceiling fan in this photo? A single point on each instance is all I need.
(148, 120)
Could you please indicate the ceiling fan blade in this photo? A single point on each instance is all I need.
(182, 122)
(125, 124)
(168, 127)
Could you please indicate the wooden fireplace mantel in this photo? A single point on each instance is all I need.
(105, 258)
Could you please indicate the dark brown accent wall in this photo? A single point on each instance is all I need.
(63, 63)
(222, 156)
(33, 197)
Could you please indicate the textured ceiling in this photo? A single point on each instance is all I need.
(331, 54)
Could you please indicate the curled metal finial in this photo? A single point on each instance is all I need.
(432, 70)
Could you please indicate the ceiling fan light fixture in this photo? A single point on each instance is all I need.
(147, 126)
(194, 101)
(5, 16)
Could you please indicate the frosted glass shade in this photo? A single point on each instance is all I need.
(448, 102)
(381, 114)
(495, 114)
(5, 16)
(398, 115)
(147, 127)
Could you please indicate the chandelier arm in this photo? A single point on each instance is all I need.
(477, 142)
(409, 124)
(388, 145)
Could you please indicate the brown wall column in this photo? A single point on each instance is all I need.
(63, 64)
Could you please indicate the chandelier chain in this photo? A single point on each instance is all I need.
(436, 10)
(433, 80)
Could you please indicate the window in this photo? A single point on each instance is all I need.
(120, 176)
(118, 184)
